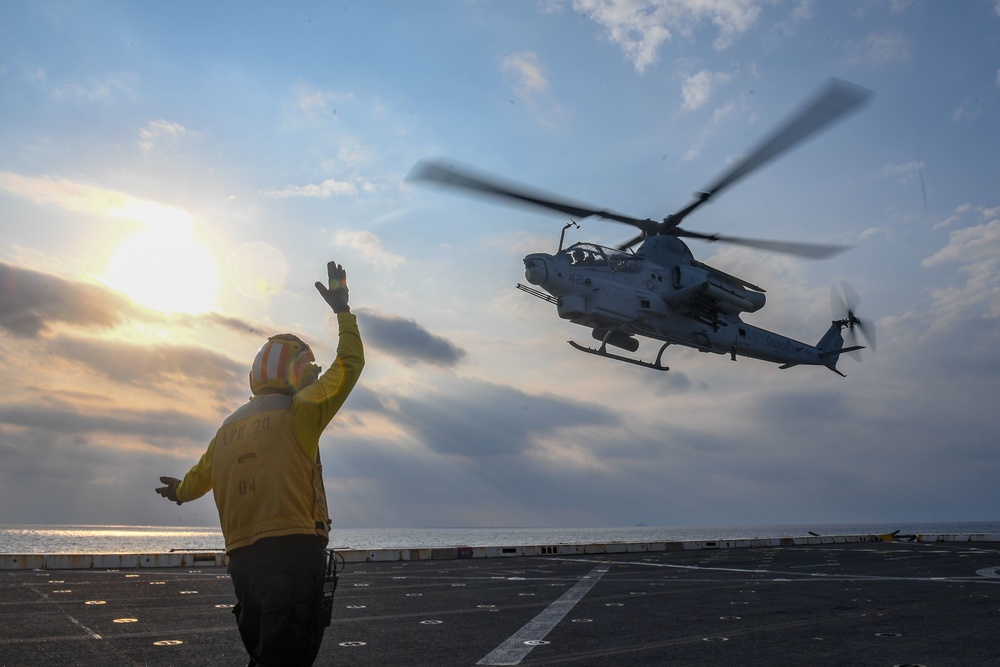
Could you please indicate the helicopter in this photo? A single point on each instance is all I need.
(659, 290)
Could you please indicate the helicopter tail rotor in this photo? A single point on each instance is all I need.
(844, 304)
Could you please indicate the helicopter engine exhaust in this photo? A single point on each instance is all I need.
(616, 338)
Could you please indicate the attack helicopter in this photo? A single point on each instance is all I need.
(659, 290)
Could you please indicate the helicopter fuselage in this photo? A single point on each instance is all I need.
(661, 292)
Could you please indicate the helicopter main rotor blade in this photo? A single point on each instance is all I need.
(811, 250)
(464, 178)
(836, 99)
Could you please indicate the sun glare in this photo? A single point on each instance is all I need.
(164, 266)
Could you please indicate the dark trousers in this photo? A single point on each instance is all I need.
(276, 583)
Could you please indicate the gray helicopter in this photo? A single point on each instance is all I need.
(659, 290)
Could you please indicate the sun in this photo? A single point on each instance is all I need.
(163, 265)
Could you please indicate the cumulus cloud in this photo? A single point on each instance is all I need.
(641, 28)
(407, 341)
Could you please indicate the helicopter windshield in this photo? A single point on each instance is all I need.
(590, 254)
(586, 254)
(625, 263)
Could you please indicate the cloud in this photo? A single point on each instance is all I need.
(151, 364)
(479, 420)
(155, 130)
(528, 71)
(697, 89)
(641, 27)
(904, 173)
(328, 188)
(89, 199)
(880, 47)
(407, 341)
(30, 302)
(369, 246)
(65, 419)
(966, 111)
(317, 103)
(65, 194)
(531, 85)
(976, 251)
(94, 89)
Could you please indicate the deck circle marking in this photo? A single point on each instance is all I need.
(431, 622)
(485, 606)
(730, 618)
(414, 595)
(95, 602)
(352, 644)
(582, 620)
(355, 606)
(614, 604)
(168, 642)
(224, 606)
(715, 639)
(536, 642)
(126, 620)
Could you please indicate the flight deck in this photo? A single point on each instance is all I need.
(819, 602)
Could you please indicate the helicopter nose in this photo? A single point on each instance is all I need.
(535, 271)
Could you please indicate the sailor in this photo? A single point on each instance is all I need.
(264, 468)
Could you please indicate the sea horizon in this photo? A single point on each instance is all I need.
(98, 538)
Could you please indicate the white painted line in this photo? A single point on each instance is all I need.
(520, 644)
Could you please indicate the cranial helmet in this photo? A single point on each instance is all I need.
(284, 365)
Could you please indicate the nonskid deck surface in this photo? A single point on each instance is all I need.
(858, 604)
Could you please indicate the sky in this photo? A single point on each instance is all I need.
(174, 178)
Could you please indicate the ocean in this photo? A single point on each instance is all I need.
(33, 539)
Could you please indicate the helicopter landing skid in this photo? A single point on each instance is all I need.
(603, 352)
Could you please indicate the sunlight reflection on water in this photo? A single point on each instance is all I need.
(26, 539)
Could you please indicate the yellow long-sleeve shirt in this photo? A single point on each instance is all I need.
(263, 464)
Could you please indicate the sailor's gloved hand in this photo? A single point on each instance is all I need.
(170, 490)
(336, 294)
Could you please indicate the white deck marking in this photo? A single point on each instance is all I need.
(520, 644)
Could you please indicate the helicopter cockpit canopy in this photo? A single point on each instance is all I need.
(591, 254)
